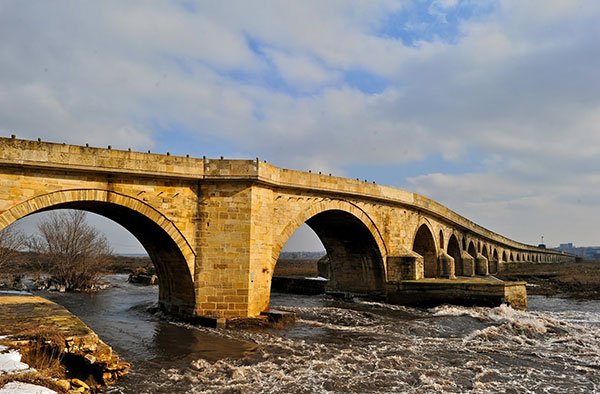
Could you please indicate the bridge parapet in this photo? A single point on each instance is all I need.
(86, 158)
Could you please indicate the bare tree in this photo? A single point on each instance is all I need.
(11, 242)
(73, 252)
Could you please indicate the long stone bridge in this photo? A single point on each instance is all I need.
(214, 228)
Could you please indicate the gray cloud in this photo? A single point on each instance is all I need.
(518, 93)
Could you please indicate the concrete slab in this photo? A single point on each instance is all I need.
(488, 291)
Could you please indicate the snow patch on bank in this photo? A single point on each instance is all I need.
(24, 388)
(10, 363)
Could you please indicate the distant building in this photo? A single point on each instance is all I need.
(591, 253)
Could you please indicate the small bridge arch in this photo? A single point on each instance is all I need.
(424, 244)
(455, 252)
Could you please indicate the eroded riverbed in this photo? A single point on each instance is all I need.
(359, 347)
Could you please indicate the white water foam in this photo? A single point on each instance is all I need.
(377, 349)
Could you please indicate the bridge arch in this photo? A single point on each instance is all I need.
(472, 250)
(484, 251)
(454, 251)
(168, 249)
(425, 245)
(354, 245)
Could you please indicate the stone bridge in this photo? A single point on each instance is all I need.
(214, 228)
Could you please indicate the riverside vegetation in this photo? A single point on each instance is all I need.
(575, 280)
(66, 255)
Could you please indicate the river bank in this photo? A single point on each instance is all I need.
(49, 346)
(575, 280)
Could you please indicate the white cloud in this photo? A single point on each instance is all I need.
(440, 8)
(518, 94)
(301, 72)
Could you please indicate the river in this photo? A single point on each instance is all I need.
(351, 347)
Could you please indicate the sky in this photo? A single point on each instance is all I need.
(489, 107)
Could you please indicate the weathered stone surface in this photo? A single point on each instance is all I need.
(481, 265)
(472, 291)
(24, 315)
(446, 263)
(405, 264)
(214, 228)
(468, 264)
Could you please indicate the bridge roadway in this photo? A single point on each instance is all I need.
(214, 228)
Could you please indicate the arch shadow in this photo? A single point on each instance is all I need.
(455, 252)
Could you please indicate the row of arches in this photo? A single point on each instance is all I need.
(357, 253)
(355, 247)
(424, 244)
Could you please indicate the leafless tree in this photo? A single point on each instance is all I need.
(11, 242)
(73, 252)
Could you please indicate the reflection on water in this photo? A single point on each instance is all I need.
(356, 347)
(119, 316)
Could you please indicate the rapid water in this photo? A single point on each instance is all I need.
(352, 347)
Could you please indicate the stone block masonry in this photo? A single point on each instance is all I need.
(214, 228)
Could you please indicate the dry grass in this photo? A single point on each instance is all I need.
(299, 268)
(40, 349)
(44, 352)
(578, 280)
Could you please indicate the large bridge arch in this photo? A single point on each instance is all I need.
(168, 249)
(353, 242)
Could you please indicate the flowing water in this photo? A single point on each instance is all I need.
(352, 347)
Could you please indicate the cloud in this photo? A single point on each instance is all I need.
(509, 87)
(302, 72)
(439, 8)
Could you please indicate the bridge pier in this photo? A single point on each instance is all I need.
(493, 266)
(468, 268)
(481, 265)
(446, 266)
(405, 265)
